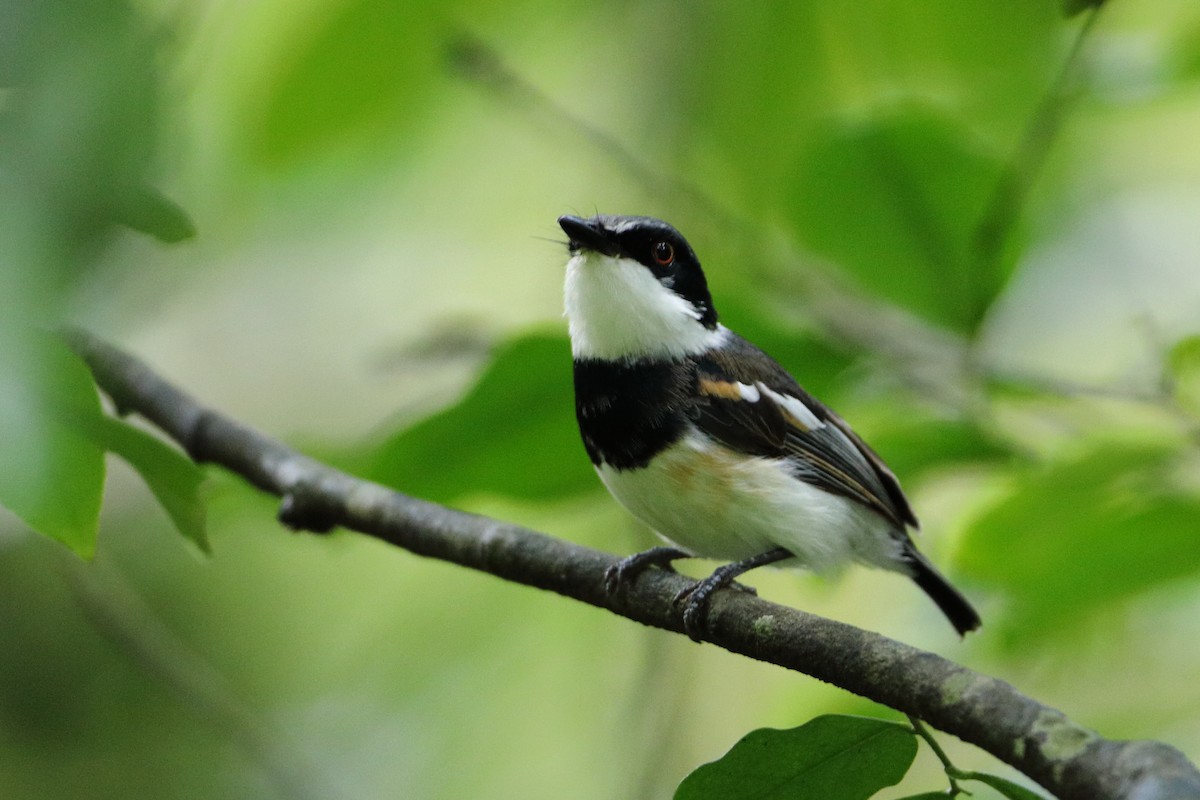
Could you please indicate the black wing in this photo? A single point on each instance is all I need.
(750, 403)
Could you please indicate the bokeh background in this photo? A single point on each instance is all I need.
(972, 227)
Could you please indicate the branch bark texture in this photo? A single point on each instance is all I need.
(1069, 760)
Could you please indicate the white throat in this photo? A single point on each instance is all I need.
(617, 309)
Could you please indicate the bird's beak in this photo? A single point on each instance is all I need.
(589, 234)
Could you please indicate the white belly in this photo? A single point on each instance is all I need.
(716, 504)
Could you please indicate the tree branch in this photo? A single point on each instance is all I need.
(1069, 760)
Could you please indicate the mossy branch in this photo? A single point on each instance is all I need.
(1070, 761)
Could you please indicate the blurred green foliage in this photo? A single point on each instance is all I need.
(366, 72)
(522, 409)
(1184, 373)
(1093, 529)
(173, 478)
(920, 186)
(350, 190)
(52, 472)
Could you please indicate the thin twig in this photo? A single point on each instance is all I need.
(479, 63)
(951, 771)
(1008, 197)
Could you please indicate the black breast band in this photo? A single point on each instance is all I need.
(628, 412)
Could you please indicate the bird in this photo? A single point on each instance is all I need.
(708, 440)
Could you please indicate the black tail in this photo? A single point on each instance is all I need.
(957, 609)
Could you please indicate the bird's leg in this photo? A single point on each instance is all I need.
(628, 568)
(696, 597)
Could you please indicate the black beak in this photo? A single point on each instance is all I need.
(589, 234)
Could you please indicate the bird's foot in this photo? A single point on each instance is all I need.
(696, 598)
(627, 569)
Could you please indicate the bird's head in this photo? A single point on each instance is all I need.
(634, 289)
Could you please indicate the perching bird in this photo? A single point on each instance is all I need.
(709, 441)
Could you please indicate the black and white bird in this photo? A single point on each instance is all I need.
(709, 441)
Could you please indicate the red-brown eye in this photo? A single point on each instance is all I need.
(664, 253)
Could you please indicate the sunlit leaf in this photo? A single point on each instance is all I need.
(1184, 364)
(833, 757)
(51, 472)
(896, 201)
(1013, 791)
(1184, 57)
(513, 434)
(173, 478)
(1080, 533)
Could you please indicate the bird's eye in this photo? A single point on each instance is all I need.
(664, 253)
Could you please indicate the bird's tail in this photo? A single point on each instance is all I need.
(957, 609)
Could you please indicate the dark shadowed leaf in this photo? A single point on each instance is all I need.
(1072, 7)
(79, 132)
(1074, 535)
(146, 210)
(833, 757)
(513, 434)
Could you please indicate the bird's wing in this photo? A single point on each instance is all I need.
(751, 404)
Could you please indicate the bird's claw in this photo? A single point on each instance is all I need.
(695, 600)
(627, 569)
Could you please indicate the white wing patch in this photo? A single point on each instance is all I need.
(794, 407)
(749, 393)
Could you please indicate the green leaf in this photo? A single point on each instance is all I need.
(1012, 791)
(1183, 58)
(513, 434)
(1083, 532)
(912, 442)
(76, 149)
(742, 114)
(1183, 362)
(51, 472)
(926, 796)
(144, 209)
(366, 70)
(1072, 7)
(896, 200)
(172, 477)
(832, 757)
